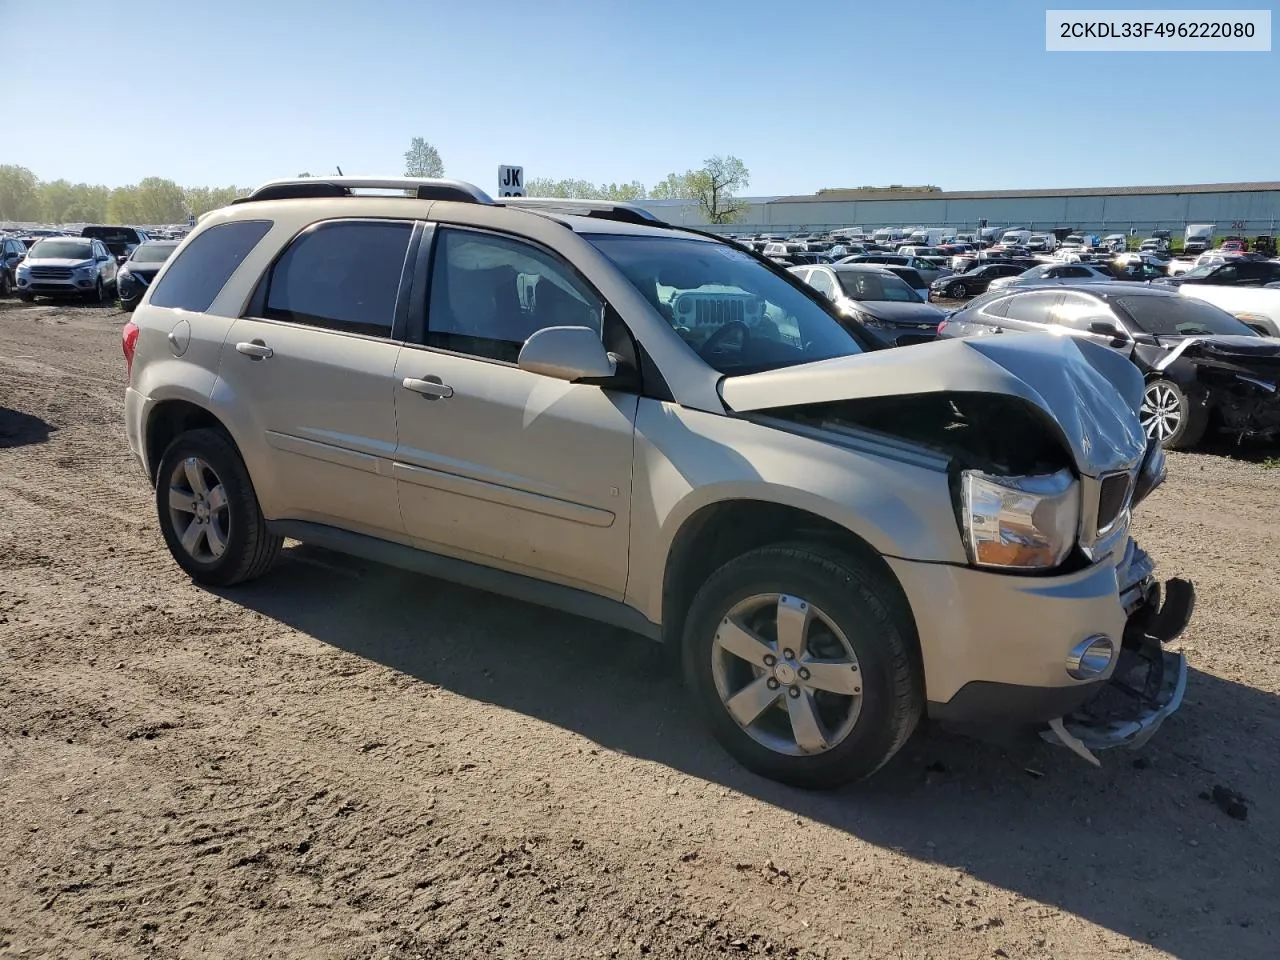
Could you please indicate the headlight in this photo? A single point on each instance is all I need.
(124, 274)
(87, 268)
(1020, 523)
(864, 318)
(23, 270)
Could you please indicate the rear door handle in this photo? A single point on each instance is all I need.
(430, 387)
(254, 350)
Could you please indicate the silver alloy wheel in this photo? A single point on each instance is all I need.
(198, 509)
(787, 674)
(957, 291)
(1161, 413)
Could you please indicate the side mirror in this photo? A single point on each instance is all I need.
(1105, 328)
(567, 353)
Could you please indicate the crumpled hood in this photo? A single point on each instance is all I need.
(1259, 353)
(1091, 393)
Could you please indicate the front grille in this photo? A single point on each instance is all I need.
(716, 313)
(1113, 497)
(51, 273)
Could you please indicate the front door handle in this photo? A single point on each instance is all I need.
(430, 387)
(254, 350)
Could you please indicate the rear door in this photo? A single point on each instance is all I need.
(314, 360)
(496, 464)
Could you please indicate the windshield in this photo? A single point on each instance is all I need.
(61, 250)
(732, 310)
(1203, 270)
(1182, 317)
(153, 252)
(872, 285)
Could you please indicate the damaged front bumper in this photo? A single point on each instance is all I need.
(1148, 682)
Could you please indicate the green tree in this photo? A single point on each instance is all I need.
(584, 190)
(123, 206)
(19, 194)
(422, 160)
(671, 187)
(714, 185)
(160, 201)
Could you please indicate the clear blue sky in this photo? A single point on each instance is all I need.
(853, 92)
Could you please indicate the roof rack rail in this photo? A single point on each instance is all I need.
(424, 188)
(600, 209)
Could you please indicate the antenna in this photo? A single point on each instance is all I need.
(339, 171)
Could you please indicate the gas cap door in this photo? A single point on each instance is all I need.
(180, 337)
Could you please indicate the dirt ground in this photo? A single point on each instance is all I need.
(343, 760)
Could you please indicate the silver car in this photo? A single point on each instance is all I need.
(67, 267)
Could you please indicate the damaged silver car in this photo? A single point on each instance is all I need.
(573, 403)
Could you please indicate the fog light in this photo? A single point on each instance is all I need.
(1090, 658)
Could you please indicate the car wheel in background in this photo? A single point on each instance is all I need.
(6, 285)
(1168, 415)
(26, 296)
(209, 513)
(957, 291)
(801, 660)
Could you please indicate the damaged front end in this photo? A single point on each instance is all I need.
(1148, 681)
(1047, 460)
(1243, 385)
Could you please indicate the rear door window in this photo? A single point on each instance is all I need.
(1032, 308)
(196, 277)
(342, 275)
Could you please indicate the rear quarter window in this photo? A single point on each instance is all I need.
(197, 275)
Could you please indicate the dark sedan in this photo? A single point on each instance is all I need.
(1204, 369)
(880, 302)
(1237, 272)
(972, 282)
(141, 268)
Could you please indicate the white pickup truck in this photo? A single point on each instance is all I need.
(1259, 307)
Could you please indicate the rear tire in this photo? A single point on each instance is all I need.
(219, 539)
(859, 727)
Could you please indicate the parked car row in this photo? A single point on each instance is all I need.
(1204, 369)
(102, 261)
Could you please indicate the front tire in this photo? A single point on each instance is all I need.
(6, 285)
(801, 660)
(1170, 416)
(95, 295)
(209, 513)
(26, 296)
(956, 291)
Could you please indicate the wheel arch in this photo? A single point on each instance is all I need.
(169, 418)
(717, 532)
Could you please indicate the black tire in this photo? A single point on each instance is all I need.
(250, 548)
(128, 306)
(94, 295)
(956, 291)
(1193, 415)
(6, 285)
(26, 296)
(877, 624)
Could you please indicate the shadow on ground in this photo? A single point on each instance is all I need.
(1132, 847)
(18, 429)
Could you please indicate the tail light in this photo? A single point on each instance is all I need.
(129, 343)
(942, 326)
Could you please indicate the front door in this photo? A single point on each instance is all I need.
(315, 365)
(496, 464)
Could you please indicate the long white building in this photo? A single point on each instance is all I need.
(1247, 208)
